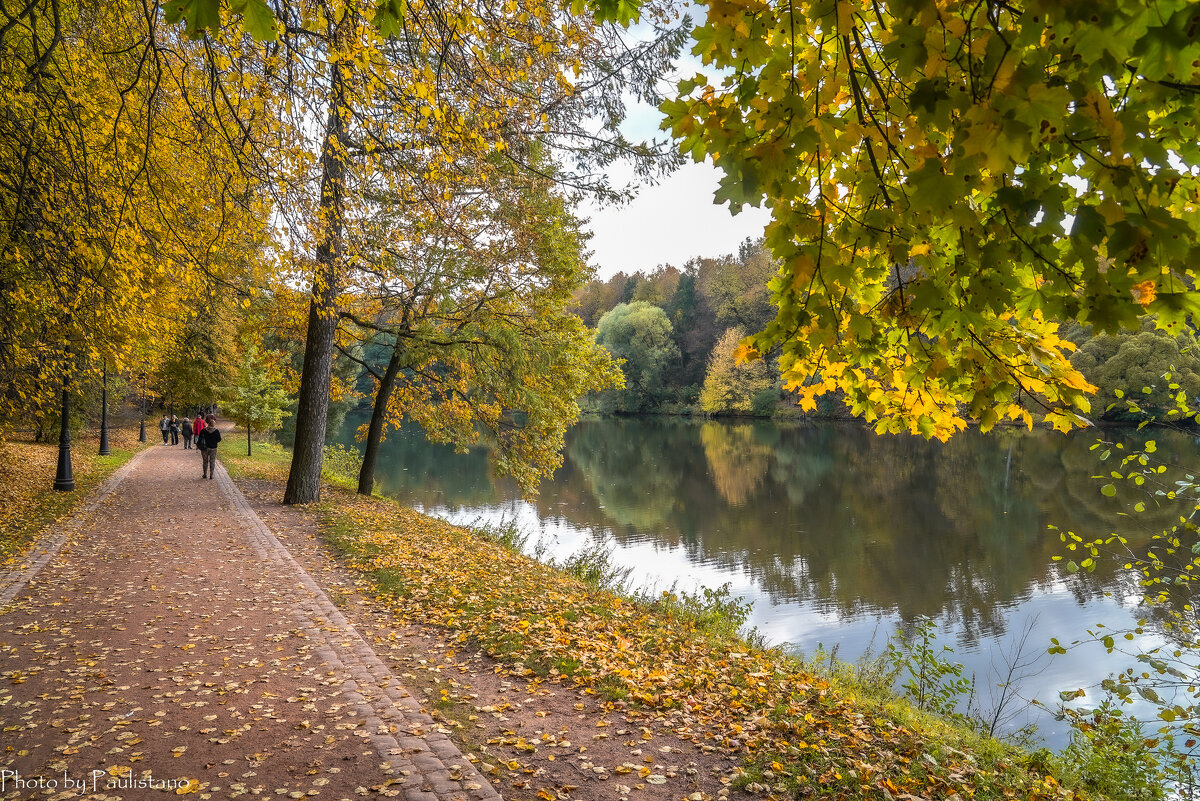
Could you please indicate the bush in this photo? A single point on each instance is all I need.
(594, 567)
(765, 402)
(341, 464)
(1109, 754)
(935, 683)
(871, 674)
(716, 612)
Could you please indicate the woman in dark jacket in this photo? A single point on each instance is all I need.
(207, 442)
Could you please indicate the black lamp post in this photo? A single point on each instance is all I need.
(142, 397)
(64, 480)
(104, 451)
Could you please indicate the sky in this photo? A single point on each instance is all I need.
(669, 223)
(675, 219)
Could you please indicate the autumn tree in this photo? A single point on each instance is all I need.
(948, 180)
(480, 343)
(658, 287)
(408, 97)
(731, 387)
(198, 361)
(116, 196)
(641, 336)
(736, 286)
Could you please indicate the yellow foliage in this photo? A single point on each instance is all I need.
(128, 206)
(28, 502)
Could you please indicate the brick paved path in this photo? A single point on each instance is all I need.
(165, 640)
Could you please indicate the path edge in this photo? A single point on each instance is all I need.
(401, 732)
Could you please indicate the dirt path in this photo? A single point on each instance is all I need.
(171, 644)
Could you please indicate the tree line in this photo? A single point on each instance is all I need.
(677, 332)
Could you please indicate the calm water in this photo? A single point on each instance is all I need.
(838, 536)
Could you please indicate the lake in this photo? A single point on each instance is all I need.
(838, 536)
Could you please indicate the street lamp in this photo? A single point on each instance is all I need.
(142, 397)
(64, 480)
(104, 451)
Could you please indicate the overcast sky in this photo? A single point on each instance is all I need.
(674, 220)
(669, 223)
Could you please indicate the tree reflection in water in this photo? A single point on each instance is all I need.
(828, 515)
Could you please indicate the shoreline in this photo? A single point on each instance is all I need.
(780, 722)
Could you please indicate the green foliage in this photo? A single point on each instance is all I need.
(765, 402)
(706, 297)
(1143, 483)
(505, 533)
(202, 362)
(736, 287)
(641, 335)
(946, 180)
(717, 612)
(933, 682)
(1123, 363)
(1110, 757)
(594, 566)
(872, 674)
(340, 464)
(732, 387)
(480, 345)
(256, 400)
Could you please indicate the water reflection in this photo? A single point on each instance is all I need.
(830, 529)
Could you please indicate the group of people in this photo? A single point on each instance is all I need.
(203, 430)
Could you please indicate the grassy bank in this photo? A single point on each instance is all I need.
(799, 734)
(28, 501)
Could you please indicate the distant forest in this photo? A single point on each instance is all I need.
(678, 328)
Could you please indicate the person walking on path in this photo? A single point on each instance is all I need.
(208, 440)
(174, 430)
(164, 425)
(198, 425)
(187, 434)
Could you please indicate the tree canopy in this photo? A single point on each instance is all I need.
(478, 341)
(365, 110)
(121, 210)
(1128, 369)
(948, 180)
(641, 336)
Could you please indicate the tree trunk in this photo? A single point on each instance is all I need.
(248, 453)
(366, 474)
(304, 477)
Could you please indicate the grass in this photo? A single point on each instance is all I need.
(675, 654)
(28, 501)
